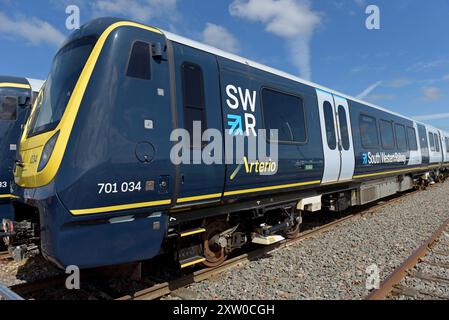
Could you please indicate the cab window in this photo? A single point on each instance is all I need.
(139, 65)
(8, 108)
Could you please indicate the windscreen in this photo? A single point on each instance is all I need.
(8, 108)
(65, 71)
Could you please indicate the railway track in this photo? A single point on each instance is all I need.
(162, 289)
(409, 280)
(4, 255)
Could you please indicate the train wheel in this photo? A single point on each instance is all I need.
(214, 253)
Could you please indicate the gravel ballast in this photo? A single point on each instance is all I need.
(429, 279)
(334, 265)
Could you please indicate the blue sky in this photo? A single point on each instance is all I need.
(404, 66)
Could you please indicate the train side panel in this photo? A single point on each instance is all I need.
(385, 144)
(198, 100)
(253, 100)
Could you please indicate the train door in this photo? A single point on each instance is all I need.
(346, 145)
(423, 142)
(198, 102)
(339, 161)
(442, 146)
(445, 148)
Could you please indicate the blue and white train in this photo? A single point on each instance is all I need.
(94, 169)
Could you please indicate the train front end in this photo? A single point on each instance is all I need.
(15, 100)
(83, 156)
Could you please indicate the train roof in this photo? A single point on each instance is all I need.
(248, 62)
(10, 79)
(97, 27)
(213, 50)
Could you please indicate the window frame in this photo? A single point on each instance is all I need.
(407, 147)
(437, 142)
(362, 115)
(347, 127)
(408, 139)
(204, 125)
(150, 45)
(325, 103)
(262, 107)
(393, 147)
(16, 99)
(431, 142)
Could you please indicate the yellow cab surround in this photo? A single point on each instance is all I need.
(31, 148)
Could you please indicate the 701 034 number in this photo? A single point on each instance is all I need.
(110, 188)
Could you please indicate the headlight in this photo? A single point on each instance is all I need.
(48, 150)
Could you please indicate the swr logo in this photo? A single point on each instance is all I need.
(247, 100)
(365, 158)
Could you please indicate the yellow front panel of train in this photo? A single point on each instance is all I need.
(30, 152)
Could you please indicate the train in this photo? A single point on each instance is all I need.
(95, 176)
(17, 94)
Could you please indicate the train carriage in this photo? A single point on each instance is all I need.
(16, 97)
(98, 179)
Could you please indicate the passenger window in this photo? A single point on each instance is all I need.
(401, 137)
(285, 113)
(411, 135)
(343, 128)
(437, 142)
(330, 125)
(368, 132)
(8, 108)
(387, 135)
(447, 145)
(431, 141)
(139, 64)
(193, 95)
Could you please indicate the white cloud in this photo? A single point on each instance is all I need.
(431, 94)
(139, 10)
(381, 97)
(368, 90)
(435, 116)
(34, 30)
(399, 83)
(426, 65)
(219, 37)
(292, 20)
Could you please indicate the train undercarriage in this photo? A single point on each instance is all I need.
(211, 241)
